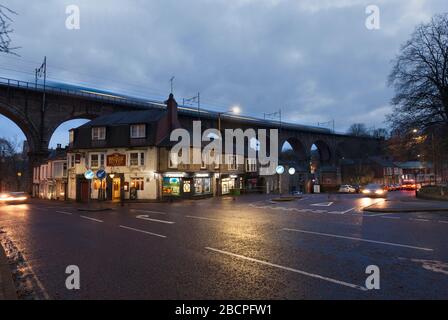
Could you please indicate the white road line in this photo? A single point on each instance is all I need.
(204, 218)
(66, 213)
(92, 219)
(147, 211)
(146, 218)
(312, 275)
(358, 239)
(443, 221)
(324, 204)
(143, 231)
(418, 219)
(378, 214)
(342, 212)
(396, 218)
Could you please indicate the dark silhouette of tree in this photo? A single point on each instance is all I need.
(358, 129)
(380, 133)
(420, 78)
(6, 30)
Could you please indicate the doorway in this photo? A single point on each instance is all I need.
(116, 189)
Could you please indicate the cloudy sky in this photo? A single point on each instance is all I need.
(313, 59)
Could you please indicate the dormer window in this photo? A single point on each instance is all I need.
(98, 133)
(138, 131)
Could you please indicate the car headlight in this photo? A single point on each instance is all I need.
(366, 191)
(379, 191)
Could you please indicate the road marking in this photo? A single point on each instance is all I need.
(342, 212)
(204, 218)
(312, 275)
(66, 213)
(324, 204)
(143, 231)
(359, 239)
(147, 211)
(147, 218)
(443, 221)
(92, 219)
(396, 218)
(378, 214)
(419, 219)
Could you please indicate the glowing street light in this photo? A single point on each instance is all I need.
(236, 110)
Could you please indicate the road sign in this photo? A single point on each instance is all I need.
(101, 174)
(280, 169)
(89, 175)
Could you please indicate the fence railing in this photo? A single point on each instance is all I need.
(123, 100)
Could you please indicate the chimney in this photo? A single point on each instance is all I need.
(173, 120)
(59, 146)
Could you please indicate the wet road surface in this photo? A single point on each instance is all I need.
(317, 247)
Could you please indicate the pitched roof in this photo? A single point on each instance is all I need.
(122, 118)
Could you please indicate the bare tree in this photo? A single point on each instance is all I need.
(420, 78)
(6, 30)
(380, 133)
(358, 129)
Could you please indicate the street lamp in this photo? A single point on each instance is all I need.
(234, 110)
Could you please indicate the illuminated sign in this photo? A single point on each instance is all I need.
(116, 160)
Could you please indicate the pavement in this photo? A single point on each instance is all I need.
(317, 247)
(7, 288)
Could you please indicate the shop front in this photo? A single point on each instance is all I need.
(230, 183)
(186, 185)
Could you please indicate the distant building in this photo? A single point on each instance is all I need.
(419, 171)
(50, 178)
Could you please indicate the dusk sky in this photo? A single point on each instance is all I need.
(314, 60)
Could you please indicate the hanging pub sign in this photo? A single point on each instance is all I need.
(116, 160)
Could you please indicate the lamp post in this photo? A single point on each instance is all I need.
(234, 110)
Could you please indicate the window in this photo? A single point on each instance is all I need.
(72, 161)
(232, 163)
(173, 159)
(98, 133)
(64, 169)
(136, 159)
(102, 160)
(71, 136)
(138, 131)
(133, 159)
(138, 183)
(94, 162)
(251, 165)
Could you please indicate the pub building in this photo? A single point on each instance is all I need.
(134, 150)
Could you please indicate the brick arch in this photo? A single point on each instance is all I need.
(299, 148)
(324, 149)
(52, 127)
(29, 129)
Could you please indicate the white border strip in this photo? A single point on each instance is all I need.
(312, 275)
(358, 239)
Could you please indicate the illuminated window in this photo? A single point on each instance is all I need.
(137, 183)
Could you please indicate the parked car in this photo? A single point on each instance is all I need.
(374, 190)
(346, 188)
(13, 197)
